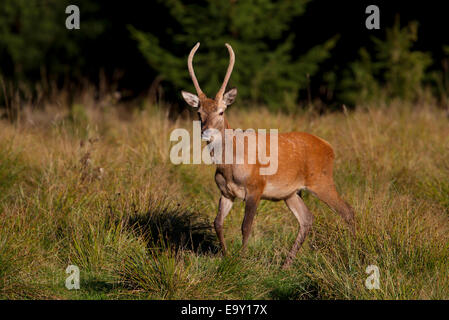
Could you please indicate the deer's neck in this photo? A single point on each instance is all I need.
(223, 167)
(226, 124)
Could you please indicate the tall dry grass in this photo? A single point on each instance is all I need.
(94, 187)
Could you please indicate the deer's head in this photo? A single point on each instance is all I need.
(211, 111)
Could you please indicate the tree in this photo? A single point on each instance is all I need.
(34, 39)
(265, 70)
(397, 71)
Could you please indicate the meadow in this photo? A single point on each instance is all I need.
(93, 186)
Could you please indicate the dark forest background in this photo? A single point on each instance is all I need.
(288, 53)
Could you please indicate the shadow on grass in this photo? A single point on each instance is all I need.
(177, 227)
(98, 286)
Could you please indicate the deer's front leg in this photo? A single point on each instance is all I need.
(251, 203)
(224, 206)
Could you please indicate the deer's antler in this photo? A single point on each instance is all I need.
(192, 73)
(228, 73)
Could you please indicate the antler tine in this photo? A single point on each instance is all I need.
(191, 72)
(228, 72)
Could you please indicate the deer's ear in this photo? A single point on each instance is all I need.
(229, 96)
(191, 99)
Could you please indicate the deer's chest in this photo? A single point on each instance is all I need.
(229, 187)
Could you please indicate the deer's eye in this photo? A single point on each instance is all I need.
(221, 113)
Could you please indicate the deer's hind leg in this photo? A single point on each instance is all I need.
(327, 193)
(305, 219)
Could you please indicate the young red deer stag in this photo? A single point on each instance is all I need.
(304, 162)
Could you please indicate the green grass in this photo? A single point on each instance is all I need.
(91, 189)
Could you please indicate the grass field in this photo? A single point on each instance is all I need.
(94, 187)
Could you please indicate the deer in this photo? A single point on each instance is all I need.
(305, 162)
